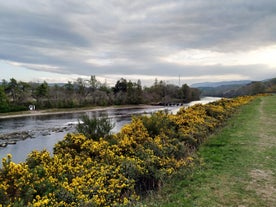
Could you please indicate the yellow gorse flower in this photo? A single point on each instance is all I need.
(84, 172)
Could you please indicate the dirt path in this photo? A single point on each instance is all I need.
(263, 179)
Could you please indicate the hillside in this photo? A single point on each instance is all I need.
(239, 89)
(221, 83)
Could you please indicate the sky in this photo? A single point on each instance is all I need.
(177, 41)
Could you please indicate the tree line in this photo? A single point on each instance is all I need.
(18, 95)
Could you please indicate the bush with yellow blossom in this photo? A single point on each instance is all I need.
(113, 172)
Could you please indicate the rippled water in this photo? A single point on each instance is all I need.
(47, 130)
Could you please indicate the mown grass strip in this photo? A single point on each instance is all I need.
(236, 166)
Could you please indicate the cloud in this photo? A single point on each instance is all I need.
(207, 57)
(144, 39)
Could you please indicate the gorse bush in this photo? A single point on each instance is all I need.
(87, 169)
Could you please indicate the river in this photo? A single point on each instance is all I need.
(47, 130)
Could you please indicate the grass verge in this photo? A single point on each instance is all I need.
(236, 166)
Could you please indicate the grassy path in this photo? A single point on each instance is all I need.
(238, 164)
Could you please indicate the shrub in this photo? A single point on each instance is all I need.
(89, 170)
(95, 128)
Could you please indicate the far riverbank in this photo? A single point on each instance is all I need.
(70, 111)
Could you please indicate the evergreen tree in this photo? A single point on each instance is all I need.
(4, 106)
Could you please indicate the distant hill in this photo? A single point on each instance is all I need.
(222, 83)
(237, 88)
(218, 91)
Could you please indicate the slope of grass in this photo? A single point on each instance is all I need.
(236, 166)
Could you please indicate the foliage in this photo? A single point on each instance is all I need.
(42, 90)
(4, 107)
(85, 171)
(236, 166)
(89, 92)
(163, 93)
(95, 128)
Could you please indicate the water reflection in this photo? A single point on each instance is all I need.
(49, 129)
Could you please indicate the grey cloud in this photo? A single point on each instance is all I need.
(66, 34)
(24, 28)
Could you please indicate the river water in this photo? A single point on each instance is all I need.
(47, 130)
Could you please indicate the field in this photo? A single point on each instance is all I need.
(236, 166)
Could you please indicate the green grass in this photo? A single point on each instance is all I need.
(235, 167)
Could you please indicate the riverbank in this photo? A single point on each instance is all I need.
(11, 138)
(19, 136)
(236, 166)
(69, 111)
(57, 111)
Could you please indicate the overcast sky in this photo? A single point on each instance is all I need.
(196, 40)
